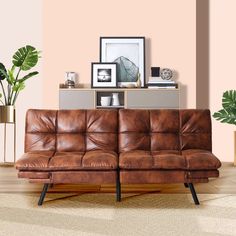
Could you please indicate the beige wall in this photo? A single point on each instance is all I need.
(21, 24)
(222, 70)
(72, 29)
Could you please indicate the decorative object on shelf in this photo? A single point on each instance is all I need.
(166, 74)
(157, 82)
(24, 59)
(115, 99)
(104, 75)
(106, 101)
(70, 79)
(129, 53)
(155, 71)
(138, 83)
(228, 113)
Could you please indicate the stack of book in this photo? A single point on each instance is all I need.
(159, 83)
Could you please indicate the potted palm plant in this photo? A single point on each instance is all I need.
(11, 84)
(228, 113)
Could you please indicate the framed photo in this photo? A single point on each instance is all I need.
(104, 75)
(129, 54)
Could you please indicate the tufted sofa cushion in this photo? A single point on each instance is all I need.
(71, 130)
(155, 130)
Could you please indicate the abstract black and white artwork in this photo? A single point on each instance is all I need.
(104, 75)
(129, 54)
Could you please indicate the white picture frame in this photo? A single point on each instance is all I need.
(103, 75)
(129, 54)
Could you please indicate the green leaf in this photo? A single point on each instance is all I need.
(229, 101)
(0, 95)
(18, 87)
(11, 77)
(225, 116)
(3, 72)
(31, 74)
(25, 58)
(21, 86)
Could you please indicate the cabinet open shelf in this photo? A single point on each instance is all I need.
(102, 93)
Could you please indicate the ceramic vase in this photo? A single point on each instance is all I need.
(115, 99)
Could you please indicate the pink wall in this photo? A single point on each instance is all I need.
(72, 29)
(222, 71)
(69, 38)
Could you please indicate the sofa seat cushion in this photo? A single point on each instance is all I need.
(100, 159)
(193, 159)
(137, 159)
(66, 161)
(197, 159)
(36, 160)
(168, 160)
(96, 160)
(140, 159)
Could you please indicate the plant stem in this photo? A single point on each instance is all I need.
(15, 97)
(18, 73)
(11, 96)
(2, 102)
(4, 94)
(9, 92)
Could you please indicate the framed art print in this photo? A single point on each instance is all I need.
(104, 75)
(129, 54)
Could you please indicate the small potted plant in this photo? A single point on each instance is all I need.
(24, 59)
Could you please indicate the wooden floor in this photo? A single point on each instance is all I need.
(226, 184)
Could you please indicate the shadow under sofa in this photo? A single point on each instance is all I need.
(126, 146)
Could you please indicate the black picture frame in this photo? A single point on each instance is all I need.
(142, 59)
(104, 66)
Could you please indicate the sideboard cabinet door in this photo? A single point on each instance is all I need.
(73, 99)
(152, 99)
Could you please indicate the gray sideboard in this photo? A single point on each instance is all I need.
(79, 98)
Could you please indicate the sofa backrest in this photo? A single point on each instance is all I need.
(156, 130)
(119, 131)
(71, 130)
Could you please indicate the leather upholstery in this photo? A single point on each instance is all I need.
(169, 161)
(134, 127)
(136, 160)
(147, 160)
(148, 146)
(84, 177)
(66, 161)
(195, 129)
(36, 160)
(100, 159)
(201, 160)
(40, 130)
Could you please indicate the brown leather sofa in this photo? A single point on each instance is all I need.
(118, 146)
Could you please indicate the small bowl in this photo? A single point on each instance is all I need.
(105, 101)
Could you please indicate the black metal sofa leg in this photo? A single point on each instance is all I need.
(185, 185)
(194, 195)
(43, 194)
(118, 187)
